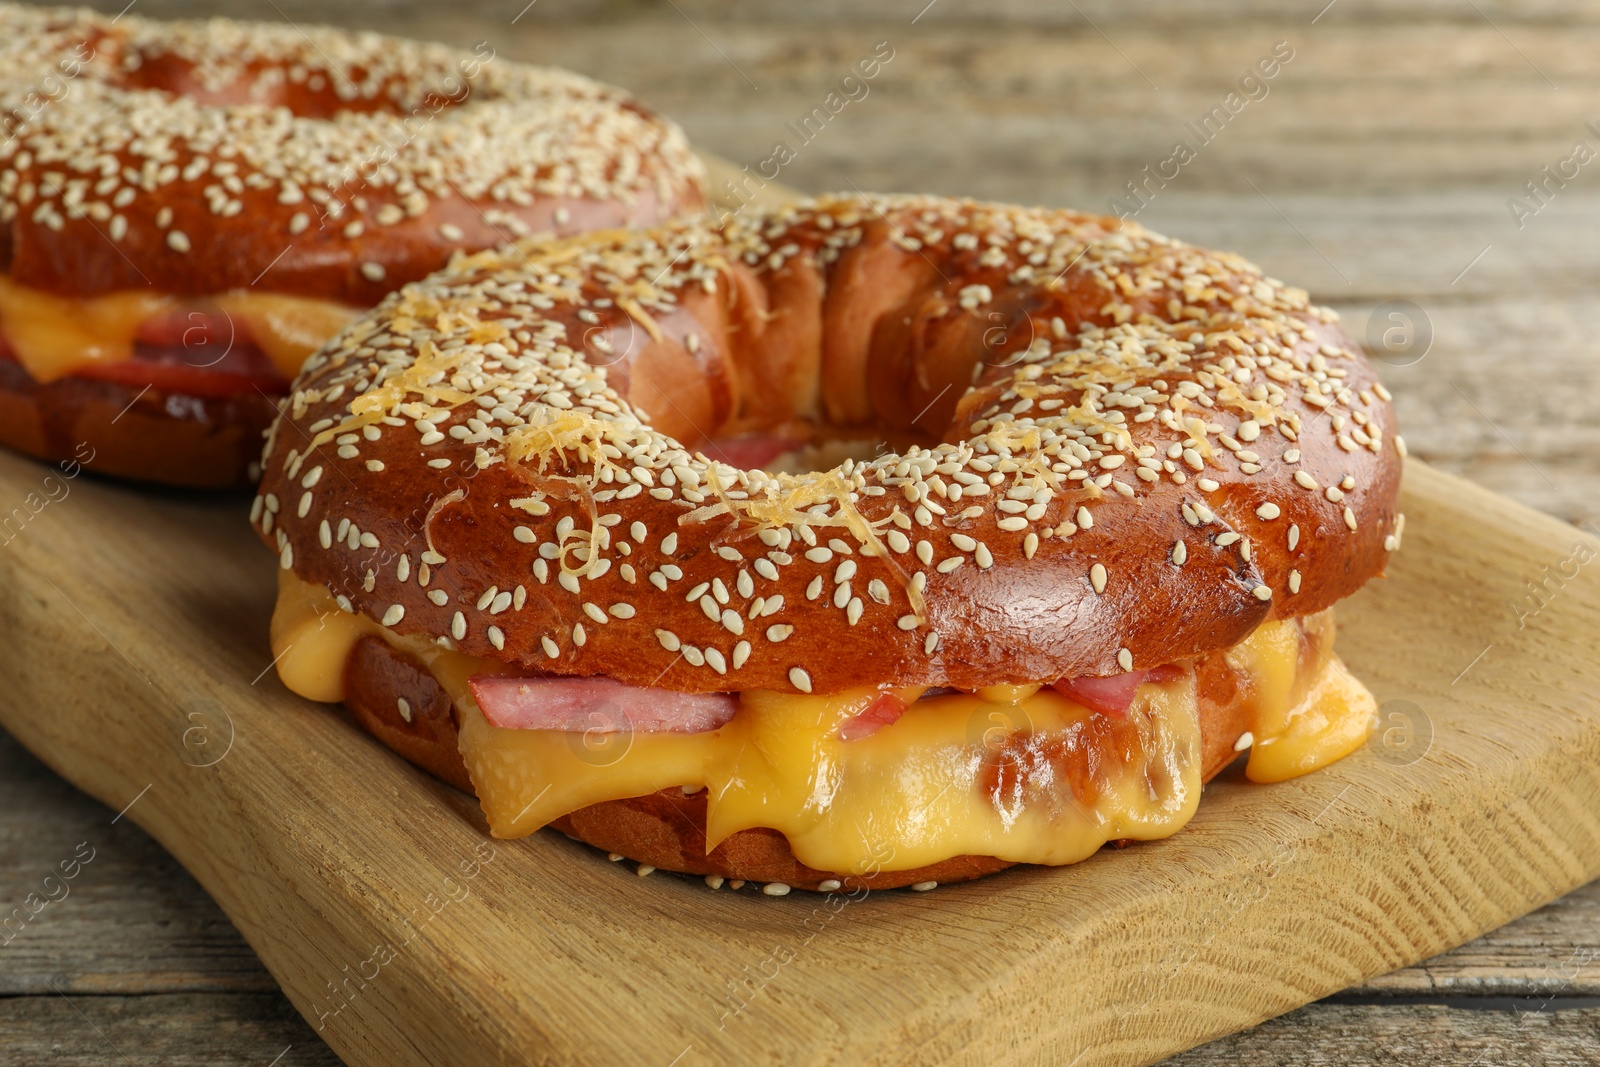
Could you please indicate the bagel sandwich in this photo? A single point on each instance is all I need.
(859, 543)
(190, 208)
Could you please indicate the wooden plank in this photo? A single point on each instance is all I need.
(1377, 1035)
(249, 1030)
(173, 1030)
(320, 845)
(131, 921)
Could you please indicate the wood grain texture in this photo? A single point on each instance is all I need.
(1388, 150)
(323, 847)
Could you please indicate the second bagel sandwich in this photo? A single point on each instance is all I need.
(189, 209)
(868, 542)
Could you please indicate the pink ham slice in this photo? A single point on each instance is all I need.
(748, 453)
(1113, 695)
(596, 705)
(883, 711)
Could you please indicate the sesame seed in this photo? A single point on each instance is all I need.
(775, 889)
(923, 887)
(1268, 511)
(1180, 553)
(1097, 577)
(1294, 581)
(1125, 659)
(829, 885)
(178, 241)
(1262, 592)
(800, 679)
(393, 616)
(1246, 740)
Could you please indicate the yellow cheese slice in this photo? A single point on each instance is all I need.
(53, 336)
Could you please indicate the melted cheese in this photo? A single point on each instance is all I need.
(1303, 719)
(287, 329)
(53, 336)
(1005, 772)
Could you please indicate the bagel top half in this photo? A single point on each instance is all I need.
(197, 157)
(1100, 450)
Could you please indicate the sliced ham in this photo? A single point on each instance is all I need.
(1113, 695)
(749, 452)
(596, 705)
(886, 709)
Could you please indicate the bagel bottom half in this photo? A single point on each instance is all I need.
(394, 697)
(129, 431)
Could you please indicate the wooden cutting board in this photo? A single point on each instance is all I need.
(135, 663)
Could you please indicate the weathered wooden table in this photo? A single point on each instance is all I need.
(1384, 166)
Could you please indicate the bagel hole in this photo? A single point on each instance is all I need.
(796, 452)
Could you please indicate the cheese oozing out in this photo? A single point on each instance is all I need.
(1021, 773)
(53, 336)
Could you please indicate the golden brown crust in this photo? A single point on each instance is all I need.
(667, 830)
(1159, 449)
(395, 699)
(131, 432)
(299, 160)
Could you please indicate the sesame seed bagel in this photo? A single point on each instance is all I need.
(260, 181)
(1120, 451)
(190, 157)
